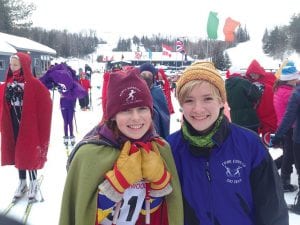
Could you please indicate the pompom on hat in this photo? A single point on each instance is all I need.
(289, 72)
(126, 90)
(202, 71)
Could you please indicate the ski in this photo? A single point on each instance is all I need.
(32, 201)
(67, 150)
(10, 206)
(27, 211)
(68, 147)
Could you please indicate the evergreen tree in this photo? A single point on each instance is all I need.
(15, 14)
(295, 32)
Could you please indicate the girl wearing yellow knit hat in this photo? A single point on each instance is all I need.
(225, 170)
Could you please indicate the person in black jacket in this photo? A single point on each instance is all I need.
(242, 97)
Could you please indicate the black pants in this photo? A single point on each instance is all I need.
(296, 148)
(84, 102)
(288, 155)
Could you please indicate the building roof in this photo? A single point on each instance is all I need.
(25, 44)
(6, 49)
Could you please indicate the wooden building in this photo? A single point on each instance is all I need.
(40, 54)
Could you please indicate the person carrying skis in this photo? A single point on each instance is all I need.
(122, 172)
(25, 123)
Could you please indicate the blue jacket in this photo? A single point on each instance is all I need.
(161, 117)
(235, 183)
(291, 116)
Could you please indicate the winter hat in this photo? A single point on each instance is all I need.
(126, 90)
(234, 72)
(148, 67)
(289, 72)
(203, 71)
(204, 63)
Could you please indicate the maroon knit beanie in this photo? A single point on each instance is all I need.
(125, 91)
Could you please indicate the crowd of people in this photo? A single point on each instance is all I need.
(131, 169)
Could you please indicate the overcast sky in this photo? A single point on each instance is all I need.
(167, 17)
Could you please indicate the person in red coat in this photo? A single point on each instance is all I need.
(25, 123)
(265, 109)
(86, 84)
(163, 81)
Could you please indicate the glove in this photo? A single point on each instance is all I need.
(153, 168)
(275, 141)
(260, 87)
(127, 170)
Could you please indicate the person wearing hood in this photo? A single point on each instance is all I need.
(265, 109)
(283, 88)
(123, 172)
(227, 176)
(242, 97)
(25, 123)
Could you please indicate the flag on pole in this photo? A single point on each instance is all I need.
(180, 46)
(166, 50)
(212, 25)
(229, 28)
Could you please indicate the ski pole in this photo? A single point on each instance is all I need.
(91, 104)
(74, 117)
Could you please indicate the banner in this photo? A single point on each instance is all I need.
(212, 25)
(229, 28)
(180, 46)
(166, 50)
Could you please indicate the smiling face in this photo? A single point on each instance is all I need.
(134, 122)
(201, 105)
(15, 64)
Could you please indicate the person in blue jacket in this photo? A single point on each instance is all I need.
(161, 114)
(226, 173)
(291, 118)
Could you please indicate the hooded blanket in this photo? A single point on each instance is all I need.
(29, 151)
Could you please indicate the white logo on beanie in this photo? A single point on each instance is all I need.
(130, 95)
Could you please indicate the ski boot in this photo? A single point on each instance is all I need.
(32, 192)
(72, 139)
(287, 186)
(66, 140)
(21, 190)
(295, 208)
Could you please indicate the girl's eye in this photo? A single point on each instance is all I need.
(208, 99)
(143, 108)
(188, 100)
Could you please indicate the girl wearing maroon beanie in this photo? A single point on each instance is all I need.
(123, 172)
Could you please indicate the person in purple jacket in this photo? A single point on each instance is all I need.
(67, 107)
(63, 77)
(226, 173)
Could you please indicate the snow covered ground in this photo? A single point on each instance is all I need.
(54, 172)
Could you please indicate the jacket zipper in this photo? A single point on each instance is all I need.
(208, 176)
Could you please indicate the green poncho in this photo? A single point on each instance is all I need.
(86, 172)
